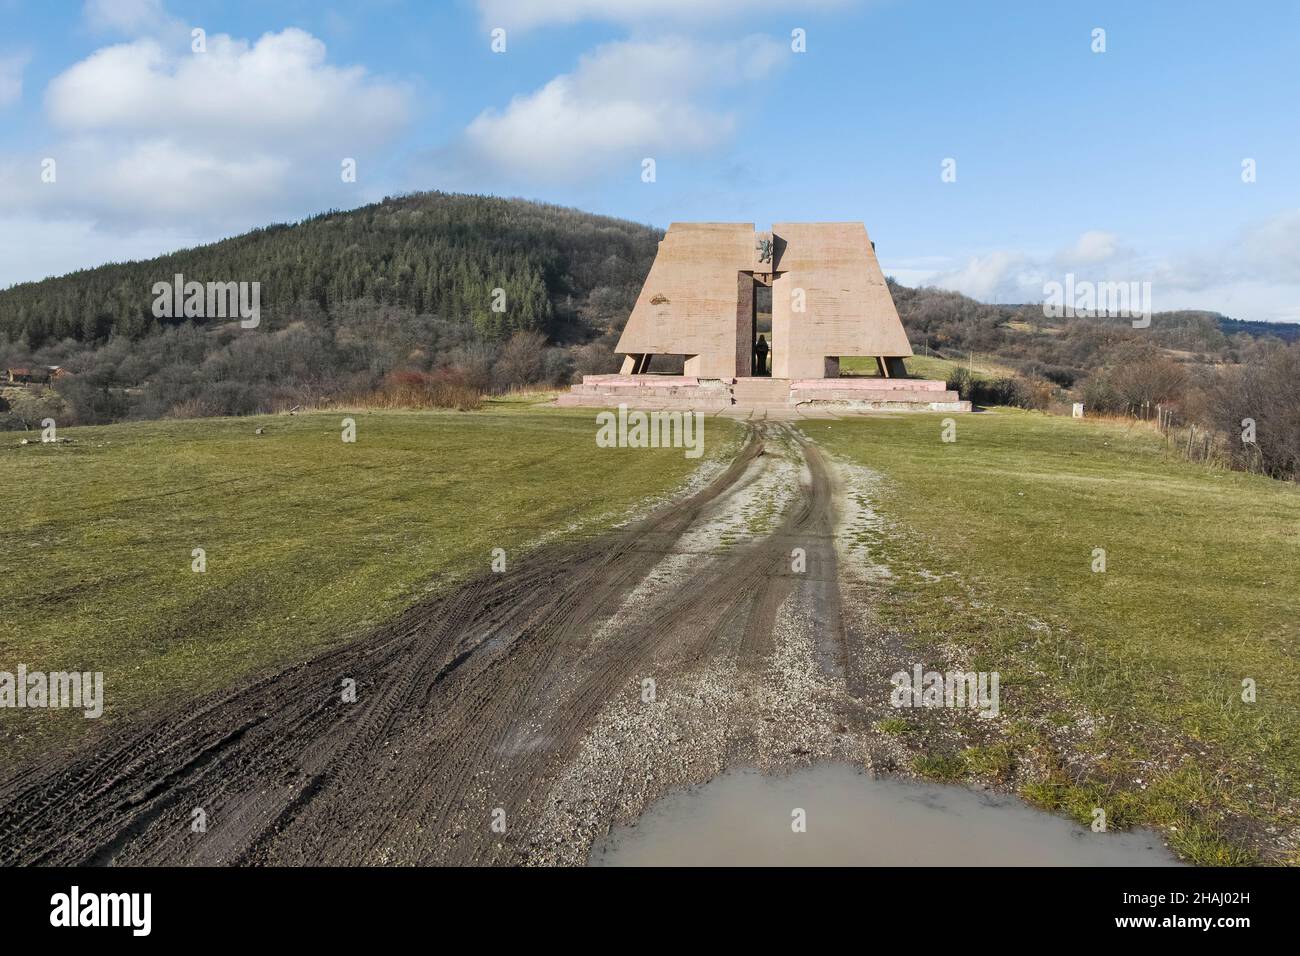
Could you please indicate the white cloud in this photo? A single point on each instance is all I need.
(1255, 275)
(625, 101)
(279, 88)
(992, 277)
(1093, 246)
(523, 14)
(131, 17)
(1273, 246)
(11, 77)
(241, 135)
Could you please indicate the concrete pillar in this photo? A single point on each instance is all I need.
(744, 324)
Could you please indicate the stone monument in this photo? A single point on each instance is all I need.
(829, 300)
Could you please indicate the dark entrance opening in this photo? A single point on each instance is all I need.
(754, 343)
(762, 329)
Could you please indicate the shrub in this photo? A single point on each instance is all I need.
(961, 382)
(463, 398)
(1266, 391)
(193, 408)
(1011, 391)
(91, 400)
(29, 407)
(521, 361)
(597, 357)
(1036, 393)
(445, 388)
(1099, 397)
(1148, 379)
(473, 363)
(1140, 378)
(1061, 375)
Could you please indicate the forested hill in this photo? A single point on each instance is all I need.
(1287, 331)
(432, 253)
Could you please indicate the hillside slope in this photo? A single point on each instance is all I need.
(466, 289)
(433, 253)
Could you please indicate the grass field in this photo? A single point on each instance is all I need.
(308, 540)
(927, 366)
(991, 540)
(992, 546)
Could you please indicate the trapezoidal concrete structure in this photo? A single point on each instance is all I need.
(829, 300)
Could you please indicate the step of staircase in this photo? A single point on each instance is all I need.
(761, 396)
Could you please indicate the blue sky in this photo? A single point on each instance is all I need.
(1122, 165)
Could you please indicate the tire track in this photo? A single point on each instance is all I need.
(475, 701)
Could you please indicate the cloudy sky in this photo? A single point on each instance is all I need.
(1171, 157)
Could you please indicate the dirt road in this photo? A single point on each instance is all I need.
(516, 719)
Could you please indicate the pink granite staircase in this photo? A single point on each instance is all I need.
(838, 395)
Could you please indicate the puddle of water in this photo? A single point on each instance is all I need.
(743, 818)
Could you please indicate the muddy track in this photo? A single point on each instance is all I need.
(469, 708)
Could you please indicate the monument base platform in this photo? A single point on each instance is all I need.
(719, 395)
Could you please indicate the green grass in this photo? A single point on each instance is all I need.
(927, 366)
(996, 760)
(308, 540)
(1199, 593)
(895, 726)
(943, 767)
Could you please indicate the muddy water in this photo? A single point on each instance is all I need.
(744, 818)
